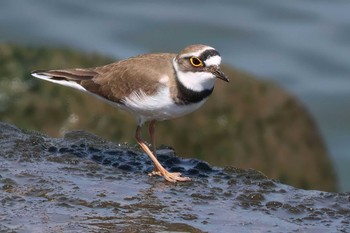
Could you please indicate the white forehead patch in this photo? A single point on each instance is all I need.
(197, 53)
(213, 61)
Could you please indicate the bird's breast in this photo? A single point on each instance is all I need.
(160, 106)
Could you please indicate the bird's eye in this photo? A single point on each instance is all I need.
(196, 62)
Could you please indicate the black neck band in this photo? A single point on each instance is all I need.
(188, 96)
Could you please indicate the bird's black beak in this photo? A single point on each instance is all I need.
(219, 74)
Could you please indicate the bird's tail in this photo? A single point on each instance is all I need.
(70, 77)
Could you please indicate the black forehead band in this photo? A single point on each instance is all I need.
(208, 53)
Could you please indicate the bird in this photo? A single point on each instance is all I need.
(152, 87)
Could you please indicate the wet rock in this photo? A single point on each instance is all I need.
(65, 184)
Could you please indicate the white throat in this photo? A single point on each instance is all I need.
(196, 81)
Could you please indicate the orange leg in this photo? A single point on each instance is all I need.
(172, 177)
(151, 130)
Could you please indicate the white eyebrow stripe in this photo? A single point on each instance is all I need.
(213, 61)
(198, 53)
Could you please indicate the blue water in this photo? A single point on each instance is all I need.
(304, 45)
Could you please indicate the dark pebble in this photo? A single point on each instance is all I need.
(292, 209)
(65, 150)
(107, 161)
(113, 152)
(256, 197)
(202, 166)
(177, 169)
(172, 161)
(125, 167)
(97, 158)
(92, 149)
(52, 149)
(193, 171)
(274, 204)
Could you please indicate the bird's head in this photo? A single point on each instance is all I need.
(197, 67)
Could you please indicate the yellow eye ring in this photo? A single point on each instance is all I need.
(196, 62)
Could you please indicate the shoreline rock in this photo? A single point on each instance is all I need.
(84, 183)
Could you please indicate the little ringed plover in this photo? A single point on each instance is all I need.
(152, 87)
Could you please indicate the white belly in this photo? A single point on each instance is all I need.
(158, 107)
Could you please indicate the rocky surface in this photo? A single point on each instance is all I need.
(83, 183)
(247, 123)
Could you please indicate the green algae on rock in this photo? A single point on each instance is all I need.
(248, 123)
(83, 183)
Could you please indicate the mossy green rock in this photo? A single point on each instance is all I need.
(247, 123)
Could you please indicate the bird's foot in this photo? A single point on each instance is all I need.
(174, 177)
(169, 176)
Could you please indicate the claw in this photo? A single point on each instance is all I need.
(175, 176)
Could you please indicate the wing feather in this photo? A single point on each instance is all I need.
(115, 81)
